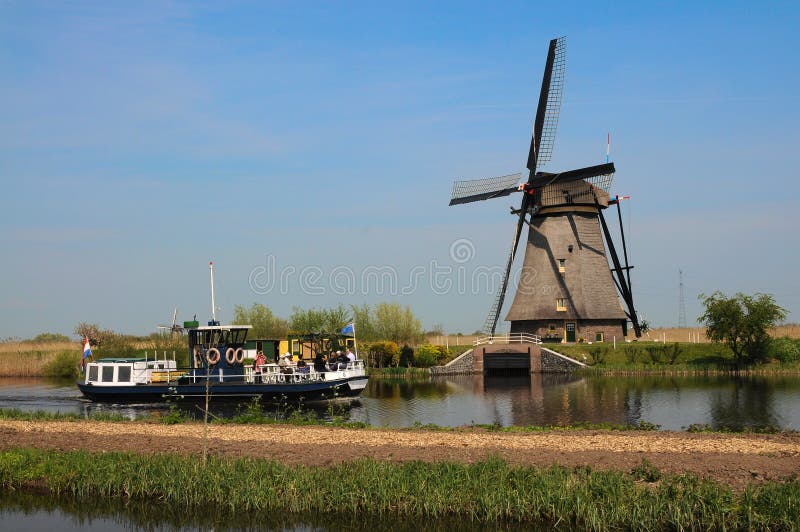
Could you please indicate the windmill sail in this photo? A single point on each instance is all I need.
(494, 312)
(483, 189)
(544, 133)
(549, 109)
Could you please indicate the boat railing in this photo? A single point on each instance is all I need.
(508, 338)
(274, 374)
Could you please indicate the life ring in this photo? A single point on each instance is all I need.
(212, 355)
(239, 356)
(230, 356)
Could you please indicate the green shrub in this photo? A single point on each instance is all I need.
(381, 354)
(646, 472)
(116, 346)
(49, 338)
(407, 356)
(431, 355)
(632, 353)
(656, 353)
(784, 349)
(597, 355)
(65, 365)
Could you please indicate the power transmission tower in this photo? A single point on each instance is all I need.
(681, 302)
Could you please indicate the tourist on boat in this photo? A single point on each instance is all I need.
(302, 367)
(351, 357)
(319, 363)
(341, 360)
(258, 365)
(285, 363)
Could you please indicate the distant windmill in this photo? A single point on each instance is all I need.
(174, 328)
(566, 289)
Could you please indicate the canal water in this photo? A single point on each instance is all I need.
(673, 403)
(34, 512)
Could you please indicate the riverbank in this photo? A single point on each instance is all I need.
(733, 459)
(576, 480)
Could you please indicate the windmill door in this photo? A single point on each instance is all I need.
(570, 332)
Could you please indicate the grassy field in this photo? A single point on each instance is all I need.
(483, 492)
(649, 356)
(27, 359)
(698, 334)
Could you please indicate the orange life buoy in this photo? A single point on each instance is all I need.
(239, 356)
(212, 355)
(230, 355)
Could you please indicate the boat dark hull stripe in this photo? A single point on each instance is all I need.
(349, 387)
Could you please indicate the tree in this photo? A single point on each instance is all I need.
(88, 330)
(364, 323)
(741, 322)
(331, 320)
(265, 323)
(395, 323)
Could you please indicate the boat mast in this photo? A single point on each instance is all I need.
(213, 311)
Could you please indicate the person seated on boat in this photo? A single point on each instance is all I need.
(333, 361)
(319, 363)
(351, 357)
(258, 364)
(285, 363)
(302, 367)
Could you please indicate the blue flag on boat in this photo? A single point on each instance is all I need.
(349, 329)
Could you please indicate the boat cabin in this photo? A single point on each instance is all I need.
(216, 347)
(130, 371)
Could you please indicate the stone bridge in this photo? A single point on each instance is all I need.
(516, 357)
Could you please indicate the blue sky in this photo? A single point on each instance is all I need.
(139, 142)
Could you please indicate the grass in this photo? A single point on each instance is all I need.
(400, 372)
(488, 491)
(38, 363)
(637, 357)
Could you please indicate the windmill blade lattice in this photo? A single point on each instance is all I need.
(553, 109)
(494, 311)
(483, 189)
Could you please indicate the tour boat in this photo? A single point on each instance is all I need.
(218, 367)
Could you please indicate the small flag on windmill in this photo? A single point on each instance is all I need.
(87, 352)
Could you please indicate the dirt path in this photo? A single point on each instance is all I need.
(731, 458)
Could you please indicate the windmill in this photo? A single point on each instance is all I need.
(174, 328)
(566, 285)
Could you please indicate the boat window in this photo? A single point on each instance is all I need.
(124, 374)
(238, 336)
(93, 373)
(108, 373)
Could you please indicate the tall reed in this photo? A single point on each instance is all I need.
(488, 491)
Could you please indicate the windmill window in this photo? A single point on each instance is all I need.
(562, 265)
(561, 304)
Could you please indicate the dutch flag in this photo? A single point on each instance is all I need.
(87, 352)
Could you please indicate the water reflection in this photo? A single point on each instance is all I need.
(29, 511)
(674, 402)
